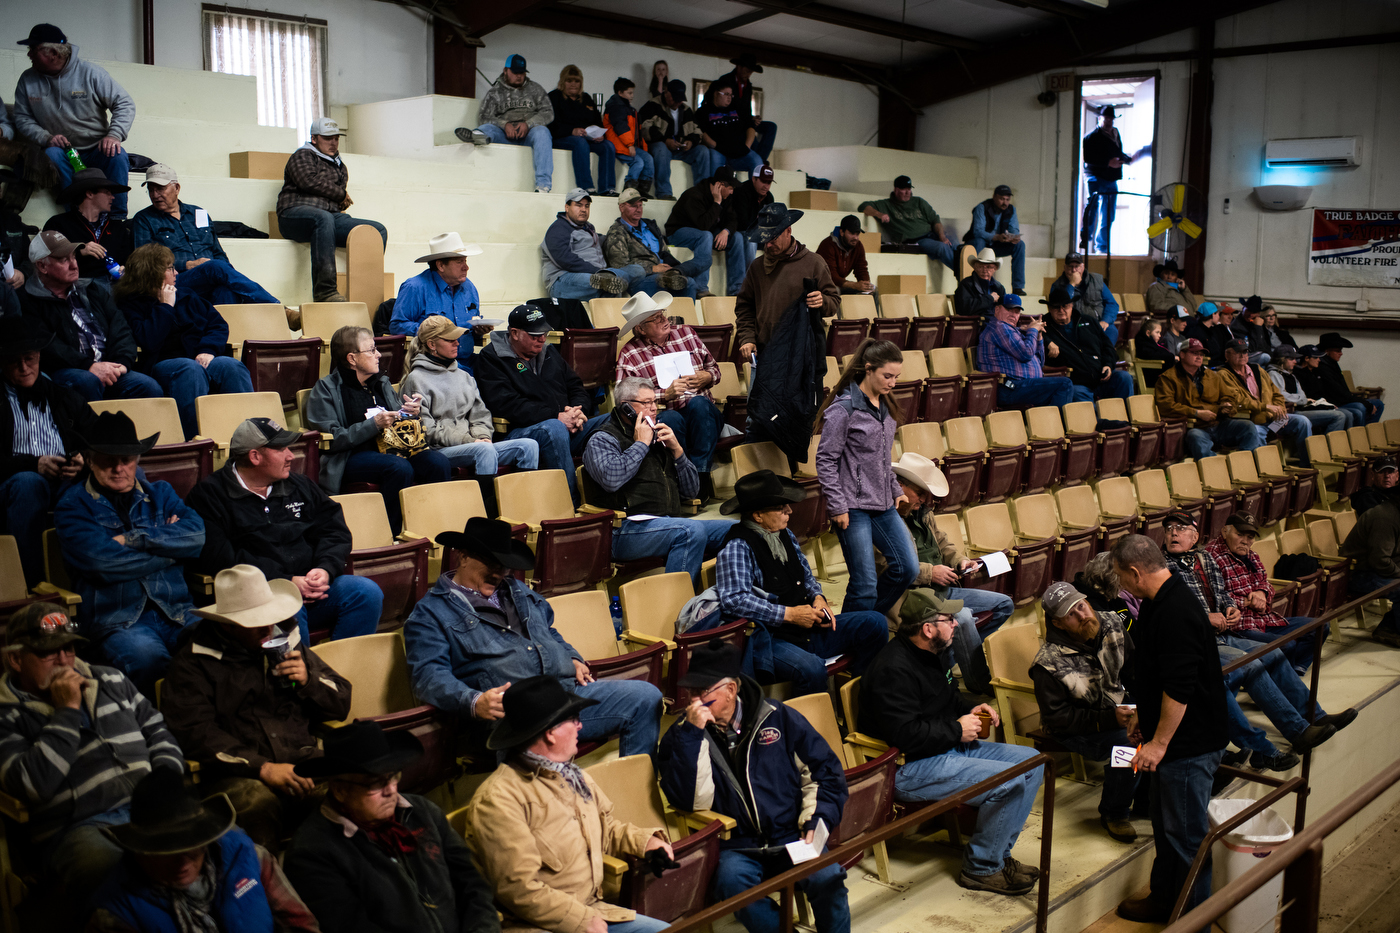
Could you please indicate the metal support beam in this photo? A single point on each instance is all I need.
(1198, 138)
(1273, 48)
(1071, 10)
(480, 17)
(753, 16)
(836, 16)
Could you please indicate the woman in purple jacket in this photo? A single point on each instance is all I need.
(862, 492)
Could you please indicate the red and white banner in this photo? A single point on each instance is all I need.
(1355, 248)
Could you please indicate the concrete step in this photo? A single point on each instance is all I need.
(201, 147)
(848, 167)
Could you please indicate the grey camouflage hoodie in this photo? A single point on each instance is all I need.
(73, 103)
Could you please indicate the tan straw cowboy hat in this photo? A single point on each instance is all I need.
(640, 307)
(244, 597)
(920, 471)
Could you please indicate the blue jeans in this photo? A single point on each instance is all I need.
(702, 160)
(28, 498)
(579, 284)
(1298, 652)
(1119, 784)
(130, 385)
(1325, 422)
(1098, 213)
(324, 231)
(859, 635)
(886, 531)
(945, 253)
(702, 244)
(352, 607)
(1298, 430)
(558, 446)
(1001, 811)
(629, 709)
(749, 162)
(539, 141)
(967, 639)
(580, 147)
(1017, 252)
(486, 459)
(116, 168)
(82, 856)
(185, 380)
(1033, 392)
(697, 427)
(1233, 432)
(393, 473)
(737, 258)
(640, 166)
(219, 283)
(142, 649)
(643, 924)
(684, 542)
(741, 869)
(652, 284)
(1180, 793)
(763, 142)
(1117, 385)
(1274, 686)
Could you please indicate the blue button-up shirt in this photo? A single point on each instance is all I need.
(426, 293)
(1008, 350)
(179, 234)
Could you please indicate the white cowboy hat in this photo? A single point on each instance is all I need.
(922, 472)
(449, 246)
(987, 256)
(640, 307)
(244, 597)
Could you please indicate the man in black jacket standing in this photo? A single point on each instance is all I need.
(701, 221)
(749, 198)
(908, 700)
(525, 381)
(1104, 159)
(1180, 695)
(1073, 339)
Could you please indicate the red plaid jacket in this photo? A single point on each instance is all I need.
(1244, 575)
(638, 355)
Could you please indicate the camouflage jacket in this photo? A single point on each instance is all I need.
(528, 104)
(1077, 686)
(623, 247)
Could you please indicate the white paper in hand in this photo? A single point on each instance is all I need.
(671, 366)
(1122, 756)
(594, 132)
(803, 851)
(996, 563)
(8, 271)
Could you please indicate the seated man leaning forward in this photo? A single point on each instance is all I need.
(187, 868)
(1078, 677)
(742, 755)
(634, 239)
(540, 825)
(636, 465)
(690, 407)
(905, 218)
(1017, 351)
(573, 260)
(908, 700)
(480, 629)
(1189, 390)
(763, 576)
(243, 699)
(72, 739)
(350, 860)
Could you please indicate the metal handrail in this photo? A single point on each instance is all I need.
(787, 881)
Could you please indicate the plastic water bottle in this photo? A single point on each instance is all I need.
(114, 268)
(616, 609)
(74, 160)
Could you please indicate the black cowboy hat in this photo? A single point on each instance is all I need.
(1171, 266)
(1334, 341)
(1252, 305)
(762, 489)
(533, 706)
(712, 663)
(1108, 111)
(363, 748)
(89, 179)
(487, 537)
(747, 60)
(167, 819)
(772, 220)
(21, 334)
(113, 433)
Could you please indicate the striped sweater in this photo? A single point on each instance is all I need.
(68, 765)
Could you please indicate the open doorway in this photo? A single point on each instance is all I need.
(1123, 191)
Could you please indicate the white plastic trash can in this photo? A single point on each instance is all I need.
(1237, 852)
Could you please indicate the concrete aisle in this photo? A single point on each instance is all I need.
(1361, 891)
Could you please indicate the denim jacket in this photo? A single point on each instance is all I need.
(116, 580)
(454, 654)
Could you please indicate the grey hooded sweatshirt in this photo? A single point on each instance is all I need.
(74, 103)
(453, 412)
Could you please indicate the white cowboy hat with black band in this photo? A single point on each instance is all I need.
(246, 598)
(922, 472)
(449, 246)
(640, 307)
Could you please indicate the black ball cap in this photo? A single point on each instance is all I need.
(903, 181)
(42, 33)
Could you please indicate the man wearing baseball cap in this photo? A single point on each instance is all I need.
(1092, 297)
(1324, 417)
(573, 259)
(994, 226)
(748, 201)
(671, 132)
(63, 102)
(1259, 401)
(905, 218)
(1188, 390)
(312, 203)
(1384, 474)
(517, 111)
(1018, 353)
(845, 254)
(637, 240)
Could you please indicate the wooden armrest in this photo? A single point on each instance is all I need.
(645, 641)
(1015, 686)
(57, 594)
(862, 740)
(533, 529)
(614, 868)
(13, 808)
(502, 425)
(699, 819)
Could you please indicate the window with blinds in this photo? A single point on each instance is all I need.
(286, 54)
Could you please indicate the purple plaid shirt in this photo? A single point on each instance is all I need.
(1244, 575)
(1010, 351)
(639, 355)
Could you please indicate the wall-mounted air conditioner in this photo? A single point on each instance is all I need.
(1338, 151)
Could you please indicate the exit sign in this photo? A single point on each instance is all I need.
(1064, 81)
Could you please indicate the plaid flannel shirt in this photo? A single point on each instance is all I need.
(1010, 351)
(1211, 590)
(738, 578)
(639, 355)
(1244, 575)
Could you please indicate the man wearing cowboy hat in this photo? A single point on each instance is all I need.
(1260, 401)
(905, 218)
(540, 825)
(1092, 297)
(1250, 327)
(762, 763)
(994, 226)
(349, 859)
(572, 256)
(480, 629)
(90, 223)
(942, 567)
(763, 576)
(64, 102)
(745, 67)
(1188, 389)
(188, 868)
(1168, 290)
(312, 205)
(778, 280)
(1104, 159)
(1018, 352)
(637, 240)
(243, 694)
(443, 289)
(201, 265)
(1329, 383)
(690, 407)
(72, 736)
(135, 601)
(979, 292)
(40, 441)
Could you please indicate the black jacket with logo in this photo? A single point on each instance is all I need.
(514, 391)
(1083, 347)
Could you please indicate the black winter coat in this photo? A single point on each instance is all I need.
(570, 115)
(55, 316)
(696, 208)
(513, 391)
(975, 296)
(907, 699)
(787, 386)
(1083, 347)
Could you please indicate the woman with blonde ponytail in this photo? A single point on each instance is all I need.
(855, 472)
